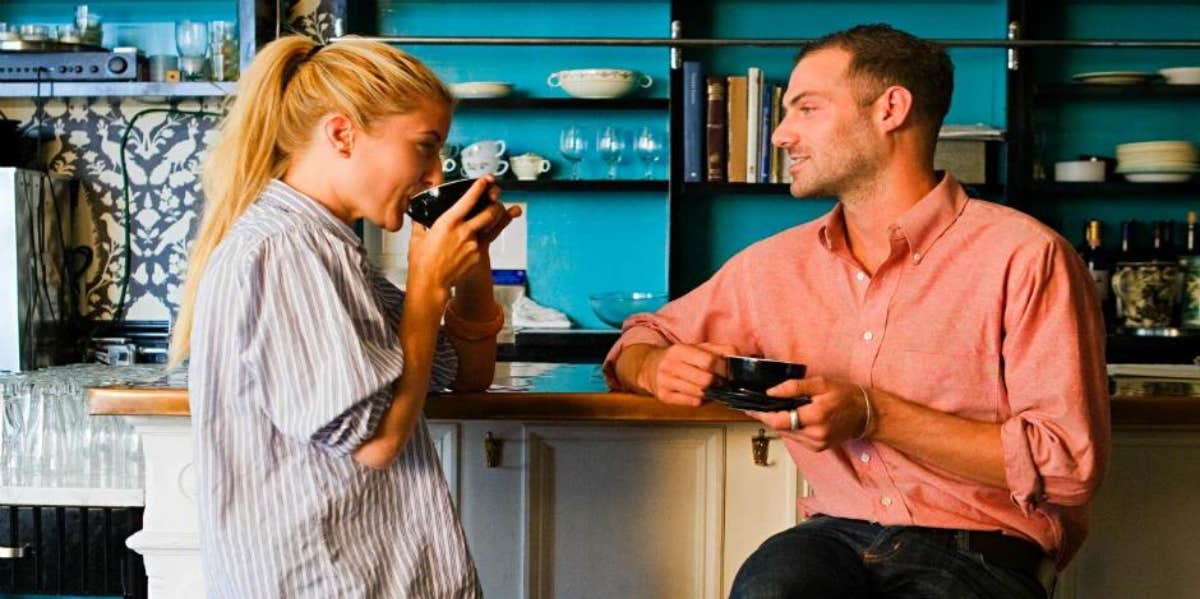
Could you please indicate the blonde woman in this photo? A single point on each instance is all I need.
(308, 371)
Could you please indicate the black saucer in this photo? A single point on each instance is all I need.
(745, 399)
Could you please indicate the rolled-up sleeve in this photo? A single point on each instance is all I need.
(714, 312)
(325, 356)
(1057, 436)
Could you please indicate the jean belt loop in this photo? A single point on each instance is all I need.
(962, 540)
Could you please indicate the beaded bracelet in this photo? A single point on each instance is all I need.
(469, 330)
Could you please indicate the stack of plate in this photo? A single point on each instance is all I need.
(1158, 161)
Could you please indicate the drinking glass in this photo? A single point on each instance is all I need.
(649, 148)
(611, 144)
(191, 37)
(572, 143)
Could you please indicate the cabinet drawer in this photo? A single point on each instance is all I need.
(71, 550)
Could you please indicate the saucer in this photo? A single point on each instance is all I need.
(745, 399)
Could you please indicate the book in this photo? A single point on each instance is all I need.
(714, 126)
(735, 163)
(693, 121)
(754, 88)
(777, 156)
(764, 135)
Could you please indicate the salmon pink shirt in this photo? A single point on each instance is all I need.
(979, 311)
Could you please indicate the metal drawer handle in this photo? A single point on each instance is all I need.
(14, 552)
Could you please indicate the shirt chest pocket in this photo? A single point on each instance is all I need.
(964, 384)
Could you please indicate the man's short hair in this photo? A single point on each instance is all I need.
(883, 56)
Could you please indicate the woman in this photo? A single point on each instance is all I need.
(308, 370)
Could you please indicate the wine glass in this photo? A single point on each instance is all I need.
(649, 148)
(572, 143)
(611, 144)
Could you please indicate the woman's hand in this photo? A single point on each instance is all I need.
(442, 254)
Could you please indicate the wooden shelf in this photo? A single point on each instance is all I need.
(585, 185)
(783, 189)
(1081, 90)
(100, 89)
(565, 103)
(1114, 189)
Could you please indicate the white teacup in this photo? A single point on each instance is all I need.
(448, 165)
(488, 148)
(478, 167)
(528, 166)
(447, 153)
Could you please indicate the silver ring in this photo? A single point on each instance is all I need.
(794, 418)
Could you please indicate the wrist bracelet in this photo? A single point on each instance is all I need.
(867, 422)
(468, 330)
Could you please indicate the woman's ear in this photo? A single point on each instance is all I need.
(339, 133)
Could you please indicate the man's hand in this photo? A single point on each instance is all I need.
(679, 374)
(837, 412)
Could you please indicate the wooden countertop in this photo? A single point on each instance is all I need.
(576, 392)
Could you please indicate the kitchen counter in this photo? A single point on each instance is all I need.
(576, 392)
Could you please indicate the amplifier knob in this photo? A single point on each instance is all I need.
(62, 69)
(78, 68)
(117, 65)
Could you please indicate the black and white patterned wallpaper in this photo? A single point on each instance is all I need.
(82, 140)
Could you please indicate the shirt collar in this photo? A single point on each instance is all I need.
(281, 196)
(920, 226)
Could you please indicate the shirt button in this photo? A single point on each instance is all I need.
(865, 457)
(867, 336)
(886, 501)
(916, 256)
(860, 275)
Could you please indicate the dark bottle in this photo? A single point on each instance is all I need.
(1164, 241)
(1189, 235)
(1099, 267)
(1129, 249)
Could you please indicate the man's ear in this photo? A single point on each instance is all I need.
(338, 132)
(894, 108)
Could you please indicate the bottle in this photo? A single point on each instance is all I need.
(1099, 267)
(1189, 262)
(1164, 241)
(1129, 250)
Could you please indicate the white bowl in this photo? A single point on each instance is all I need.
(480, 89)
(1181, 75)
(598, 83)
(1079, 171)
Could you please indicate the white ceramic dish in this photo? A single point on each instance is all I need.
(1181, 75)
(1115, 77)
(1079, 171)
(598, 83)
(480, 89)
(1158, 177)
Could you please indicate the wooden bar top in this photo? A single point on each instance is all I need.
(576, 392)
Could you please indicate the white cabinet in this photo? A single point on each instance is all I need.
(596, 510)
(1145, 530)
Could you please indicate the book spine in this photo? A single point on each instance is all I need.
(764, 136)
(777, 156)
(693, 115)
(715, 130)
(753, 119)
(735, 165)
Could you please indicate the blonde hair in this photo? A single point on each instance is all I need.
(289, 86)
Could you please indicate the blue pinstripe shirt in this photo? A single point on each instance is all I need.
(294, 357)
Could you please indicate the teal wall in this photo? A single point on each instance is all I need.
(145, 24)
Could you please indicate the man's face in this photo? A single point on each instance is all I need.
(826, 130)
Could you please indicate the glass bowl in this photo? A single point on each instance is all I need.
(615, 306)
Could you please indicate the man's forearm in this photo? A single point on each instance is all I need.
(634, 367)
(968, 448)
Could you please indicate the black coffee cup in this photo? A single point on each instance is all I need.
(760, 374)
(427, 206)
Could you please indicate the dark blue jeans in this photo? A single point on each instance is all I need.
(836, 557)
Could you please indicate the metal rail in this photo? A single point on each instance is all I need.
(764, 43)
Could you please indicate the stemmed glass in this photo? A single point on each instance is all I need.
(649, 148)
(611, 144)
(572, 143)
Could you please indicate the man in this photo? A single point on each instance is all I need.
(959, 419)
